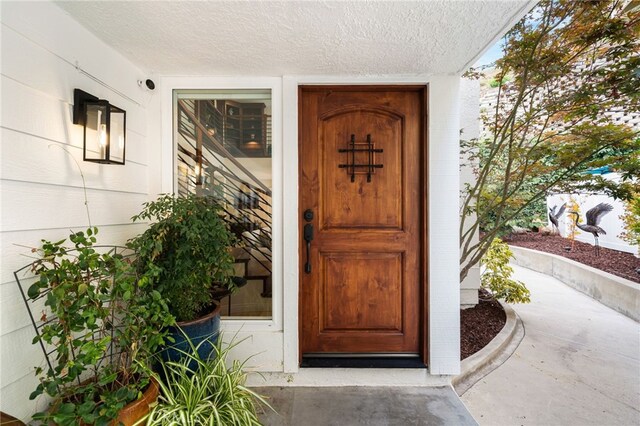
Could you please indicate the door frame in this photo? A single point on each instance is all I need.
(423, 316)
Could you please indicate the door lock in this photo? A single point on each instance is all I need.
(308, 215)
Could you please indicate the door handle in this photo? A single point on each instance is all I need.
(308, 237)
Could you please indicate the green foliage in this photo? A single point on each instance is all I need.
(570, 63)
(531, 207)
(186, 250)
(631, 220)
(95, 305)
(196, 391)
(493, 83)
(496, 276)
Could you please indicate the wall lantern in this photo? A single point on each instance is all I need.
(104, 128)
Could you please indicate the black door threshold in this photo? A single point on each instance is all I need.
(361, 362)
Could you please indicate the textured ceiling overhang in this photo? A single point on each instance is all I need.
(292, 37)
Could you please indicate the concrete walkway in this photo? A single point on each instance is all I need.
(578, 364)
(364, 406)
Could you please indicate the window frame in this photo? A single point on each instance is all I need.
(169, 175)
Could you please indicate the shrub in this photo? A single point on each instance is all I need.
(631, 220)
(496, 276)
(186, 249)
(99, 328)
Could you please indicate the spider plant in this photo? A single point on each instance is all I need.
(197, 391)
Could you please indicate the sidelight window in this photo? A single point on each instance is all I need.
(223, 150)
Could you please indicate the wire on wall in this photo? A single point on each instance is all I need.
(97, 80)
(76, 65)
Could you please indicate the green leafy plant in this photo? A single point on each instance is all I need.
(197, 391)
(493, 83)
(103, 324)
(186, 251)
(631, 221)
(496, 276)
(570, 64)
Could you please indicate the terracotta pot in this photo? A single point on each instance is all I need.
(7, 420)
(135, 410)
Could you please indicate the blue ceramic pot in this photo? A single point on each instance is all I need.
(203, 328)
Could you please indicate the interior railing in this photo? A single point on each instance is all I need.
(206, 167)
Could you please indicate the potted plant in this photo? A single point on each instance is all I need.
(186, 250)
(197, 391)
(99, 326)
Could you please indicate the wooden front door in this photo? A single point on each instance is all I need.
(361, 178)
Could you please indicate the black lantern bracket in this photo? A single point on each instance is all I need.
(80, 98)
(106, 145)
(351, 165)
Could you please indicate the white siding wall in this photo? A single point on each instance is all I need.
(470, 129)
(444, 235)
(611, 222)
(41, 187)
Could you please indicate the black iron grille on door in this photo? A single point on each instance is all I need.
(351, 151)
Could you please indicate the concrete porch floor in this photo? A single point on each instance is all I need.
(375, 406)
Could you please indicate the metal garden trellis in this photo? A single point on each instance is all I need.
(23, 278)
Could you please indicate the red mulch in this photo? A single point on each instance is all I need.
(480, 324)
(619, 263)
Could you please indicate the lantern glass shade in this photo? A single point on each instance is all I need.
(104, 129)
(117, 134)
